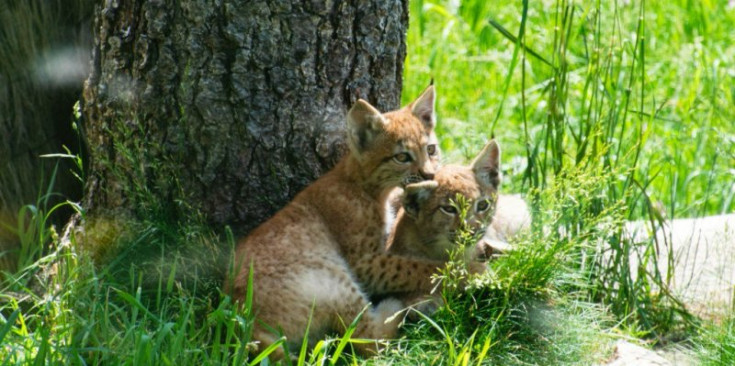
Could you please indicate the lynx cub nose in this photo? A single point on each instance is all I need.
(427, 174)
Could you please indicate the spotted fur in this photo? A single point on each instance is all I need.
(322, 255)
(427, 224)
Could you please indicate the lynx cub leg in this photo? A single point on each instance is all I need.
(382, 323)
(328, 298)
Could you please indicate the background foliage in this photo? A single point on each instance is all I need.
(606, 112)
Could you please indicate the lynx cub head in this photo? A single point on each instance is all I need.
(395, 148)
(431, 218)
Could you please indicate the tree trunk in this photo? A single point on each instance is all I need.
(229, 108)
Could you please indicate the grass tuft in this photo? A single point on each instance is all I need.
(609, 112)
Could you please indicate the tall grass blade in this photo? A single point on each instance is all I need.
(346, 337)
(305, 342)
(513, 63)
(9, 322)
(267, 351)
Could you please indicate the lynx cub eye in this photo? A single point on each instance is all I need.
(431, 149)
(402, 158)
(483, 205)
(448, 209)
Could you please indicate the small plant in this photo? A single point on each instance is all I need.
(455, 272)
(34, 230)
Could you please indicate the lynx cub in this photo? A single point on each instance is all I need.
(322, 254)
(427, 225)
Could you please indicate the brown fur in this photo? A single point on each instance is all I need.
(429, 219)
(427, 225)
(322, 255)
(425, 232)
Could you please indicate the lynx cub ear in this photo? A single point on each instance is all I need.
(364, 122)
(416, 194)
(423, 107)
(487, 165)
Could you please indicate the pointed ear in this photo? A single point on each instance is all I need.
(423, 107)
(364, 122)
(487, 165)
(416, 195)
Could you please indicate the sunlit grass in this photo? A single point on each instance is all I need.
(717, 344)
(679, 101)
(629, 100)
(604, 110)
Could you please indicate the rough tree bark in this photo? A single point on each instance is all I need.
(233, 106)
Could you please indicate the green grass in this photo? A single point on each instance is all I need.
(717, 344)
(619, 75)
(604, 111)
(92, 321)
